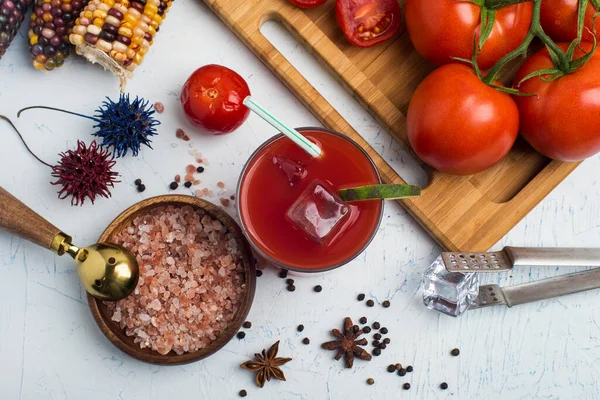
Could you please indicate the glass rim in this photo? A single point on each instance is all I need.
(257, 248)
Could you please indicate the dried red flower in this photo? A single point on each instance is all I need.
(84, 173)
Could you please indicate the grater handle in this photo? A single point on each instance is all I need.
(553, 287)
(527, 256)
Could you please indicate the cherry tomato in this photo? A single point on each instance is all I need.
(307, 3)
(442, 29)
(559, 20)
(459, 125)
(366, 23)
(561, 121)
(212, 99)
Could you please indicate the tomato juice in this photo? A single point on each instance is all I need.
(274, 178)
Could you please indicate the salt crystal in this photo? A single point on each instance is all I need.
(154, 305)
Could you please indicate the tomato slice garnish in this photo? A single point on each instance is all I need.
(307, 3)
(366, 23)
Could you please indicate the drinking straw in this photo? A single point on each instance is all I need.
(291, 133)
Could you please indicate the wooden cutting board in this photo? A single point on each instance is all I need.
(462, 213)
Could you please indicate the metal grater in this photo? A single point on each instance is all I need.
(510, 257)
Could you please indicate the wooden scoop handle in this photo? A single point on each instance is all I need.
(22, 221)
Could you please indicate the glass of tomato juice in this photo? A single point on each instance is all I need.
(277, 183)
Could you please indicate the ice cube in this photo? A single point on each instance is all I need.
(449, 292)
(293, 170)
(318, 211)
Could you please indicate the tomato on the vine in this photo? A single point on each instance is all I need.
(442, 29)
(561, 120)
(559, 20)
(459, 125)
(212, 99)
(366, 23)
(307, 3)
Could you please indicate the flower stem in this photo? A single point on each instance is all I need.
(23, 140)
(54, 109)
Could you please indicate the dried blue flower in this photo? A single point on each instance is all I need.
(123, 126)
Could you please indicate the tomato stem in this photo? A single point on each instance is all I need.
(561, 60)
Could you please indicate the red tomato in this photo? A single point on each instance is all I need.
(559, 19)
(307, 3)
(561, 122)
(366, 23)
(442, 29)
(459, 125)
(212, 99)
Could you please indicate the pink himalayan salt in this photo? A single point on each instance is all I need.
(221, 185)
(191, 280)
(190, 169)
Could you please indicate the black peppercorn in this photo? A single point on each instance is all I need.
(138, 182)
(300, 328)
(376, 343)
(384, 330)
(289, 281)
(306, 340)
(141, 188)
(241, 335)
(283, 274)
(444, 386)
(259, 272)
(406, 386)
(401, 372)
(376, 325)
(409, 368)
(188, 184)
(366, 329)
(391, 368)
(173, 185)
(455, 352)
(387, 340)
(386, 303)
(247, 324)
(355, 328)
(200, 169)
(382, 346)
(377, 336)
(318, 288)
(370, 381)
(377, 352)
(398, 366)
(243, 393)
(363, 320)
(370, 303)
(361, 297)
(291, 288)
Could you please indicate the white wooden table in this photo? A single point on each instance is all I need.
(50, 348)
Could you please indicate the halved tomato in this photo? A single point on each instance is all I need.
(366, 23)
(307, 3)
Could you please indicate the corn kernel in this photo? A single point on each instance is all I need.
(142, 51)
(79, 30)
(154, 2)
(137, 40)
(38, 65)
(120, 47)
(157, 18)
(154, 24)
(152, 31)
(33, 39)
(143, 26)
(76, 39)
(99, 14)
(125, 32)
(151, 9)
(145, 19)
(125, 3)
(127, 25)
(98, 22)
(130, 53)
(112, 20)
(103, 45)
(109, 3)
(94, 30)
(103, 7)
(137, 31)
(88, 14)
(120, 7)
(138, 59)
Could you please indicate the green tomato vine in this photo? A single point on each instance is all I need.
(563, 60)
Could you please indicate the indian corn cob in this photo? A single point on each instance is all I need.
(118, 33)
(12, 14)
(49, 28)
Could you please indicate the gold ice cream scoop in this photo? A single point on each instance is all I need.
(107, 271)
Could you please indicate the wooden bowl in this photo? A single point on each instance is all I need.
(113, 331)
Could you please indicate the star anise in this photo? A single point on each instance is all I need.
(267, 365)
(348, 344)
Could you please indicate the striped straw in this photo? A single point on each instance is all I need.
(293, 134)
